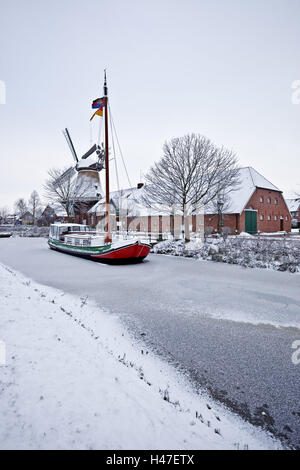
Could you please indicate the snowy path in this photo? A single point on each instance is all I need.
(72, 379)
(218, 322)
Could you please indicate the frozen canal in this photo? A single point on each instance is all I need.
(230, 328)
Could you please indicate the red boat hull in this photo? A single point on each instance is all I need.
(123, 254)
(130, 253)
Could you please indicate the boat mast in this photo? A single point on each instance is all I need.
(108, 237)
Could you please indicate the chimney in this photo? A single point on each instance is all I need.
(140, 185)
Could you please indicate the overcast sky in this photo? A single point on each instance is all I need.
(222, 68)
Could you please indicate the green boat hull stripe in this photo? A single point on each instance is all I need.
(80, 249)
(88, 250)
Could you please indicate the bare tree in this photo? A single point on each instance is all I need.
(3, 214)
(21, 207)
(219, 206)
(192, 172)
(63, 189)
(34, 204)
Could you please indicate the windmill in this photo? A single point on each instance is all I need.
(87, 168)
(87, 186)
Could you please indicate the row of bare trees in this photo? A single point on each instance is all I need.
(21, 206)
(33, 206)
(4, 211)
(59, 190)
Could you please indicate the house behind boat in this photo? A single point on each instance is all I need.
(294, 208)
(26, 219)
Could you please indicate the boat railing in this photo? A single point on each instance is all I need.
(147, 237)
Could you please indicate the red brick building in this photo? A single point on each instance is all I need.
(257, 205)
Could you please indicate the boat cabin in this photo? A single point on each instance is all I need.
(75, 235)
(58, 231)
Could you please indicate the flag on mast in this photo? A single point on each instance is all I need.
(98, 104)
(99, 112)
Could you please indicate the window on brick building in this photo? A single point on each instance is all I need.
(275, 218)
(261, 199)
(269, 200)
(261, 217)
(276, 201)
(287, 218)
(269, 217)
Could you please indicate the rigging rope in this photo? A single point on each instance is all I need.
(114, 128)
(91, 134)
(114, 151)
(99, 133)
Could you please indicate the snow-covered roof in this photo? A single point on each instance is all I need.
(293, 204)
(114, 197)
(86, 162)
(59, 224)
(259, 181)
(138, 207)
(60, 212)
(250, 179)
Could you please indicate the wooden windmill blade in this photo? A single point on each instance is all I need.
(89, 152)
(68, 174)
(70, 144)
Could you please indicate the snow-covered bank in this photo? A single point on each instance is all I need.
(250, 252)
(29, 231)
(75, 379)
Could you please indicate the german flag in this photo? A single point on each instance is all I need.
(99, 103)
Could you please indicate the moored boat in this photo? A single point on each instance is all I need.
(79, 240)
(5, 234)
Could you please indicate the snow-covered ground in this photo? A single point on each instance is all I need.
(28, 231)
(245, 250)
(74, 378)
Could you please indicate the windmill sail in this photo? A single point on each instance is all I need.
(89, 152)
(67, 175)
(70, 144)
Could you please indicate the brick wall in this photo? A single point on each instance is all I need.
(229, 220)
(270, 211)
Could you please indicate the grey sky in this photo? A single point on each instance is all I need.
(223, 68)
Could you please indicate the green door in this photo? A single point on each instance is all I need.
(250, 221)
